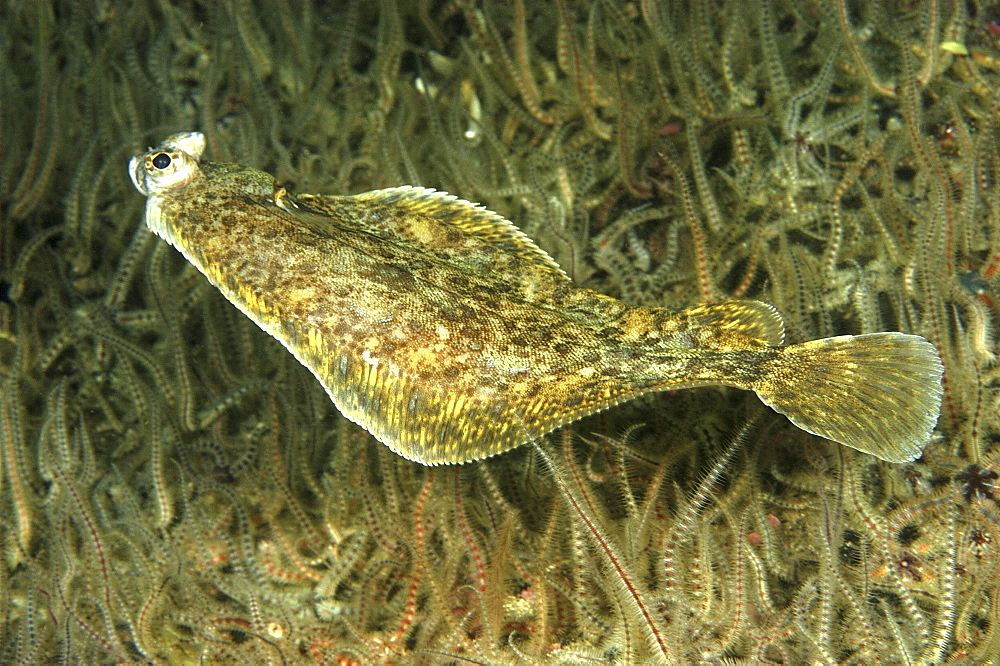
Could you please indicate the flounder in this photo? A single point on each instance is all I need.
(450, 336)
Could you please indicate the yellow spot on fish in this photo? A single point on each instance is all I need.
(491, 344)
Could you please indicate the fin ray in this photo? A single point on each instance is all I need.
(754, 319)
(455, 229)
(878, 393)
(465, 216)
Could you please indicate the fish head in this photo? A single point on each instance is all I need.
(182, 191)
(171, 165)
(164, 174)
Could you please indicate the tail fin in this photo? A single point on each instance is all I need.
(877, 393)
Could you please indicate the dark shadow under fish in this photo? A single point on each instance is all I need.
(450, 336)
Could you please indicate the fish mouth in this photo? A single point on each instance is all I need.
(138, 174)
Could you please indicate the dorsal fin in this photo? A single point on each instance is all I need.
(454, 229)
(469, 218)
(753, 319)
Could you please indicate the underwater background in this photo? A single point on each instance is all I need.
(175, 487)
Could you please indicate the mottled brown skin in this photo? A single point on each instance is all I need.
(447, 333)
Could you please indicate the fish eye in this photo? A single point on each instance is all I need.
(161, 161)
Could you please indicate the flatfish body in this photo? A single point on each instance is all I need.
(450, 336)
